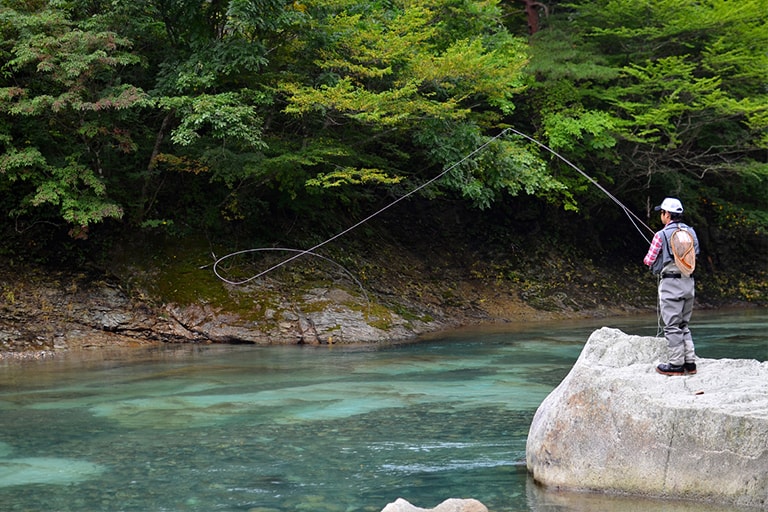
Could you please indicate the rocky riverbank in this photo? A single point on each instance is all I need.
(46, 311)
(386, 290)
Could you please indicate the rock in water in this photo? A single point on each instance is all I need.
(449, 505)
(615, 425)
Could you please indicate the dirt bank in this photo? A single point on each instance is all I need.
(375, 287)
(47, 311)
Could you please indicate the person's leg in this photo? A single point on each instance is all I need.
(689, 350)
(672, 309)
(687, 311)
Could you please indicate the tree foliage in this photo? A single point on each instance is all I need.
(406, 74)
(659, 98)
(66, 113)
(123, 102)
(212, 112)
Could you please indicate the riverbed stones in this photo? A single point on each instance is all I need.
(615, 425)
(449, 505)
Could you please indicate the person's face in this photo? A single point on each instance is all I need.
(665, 217)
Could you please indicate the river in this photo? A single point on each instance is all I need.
(315, 428)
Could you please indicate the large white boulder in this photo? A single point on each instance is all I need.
(615, 425)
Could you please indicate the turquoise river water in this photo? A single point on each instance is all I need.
(314, 428)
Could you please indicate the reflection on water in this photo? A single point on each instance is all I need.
(306, 428)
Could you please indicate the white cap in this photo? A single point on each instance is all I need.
(671, 205)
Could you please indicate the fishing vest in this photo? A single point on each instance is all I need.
(665, 261)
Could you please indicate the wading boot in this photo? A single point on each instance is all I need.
(690, 368)
(670, 369)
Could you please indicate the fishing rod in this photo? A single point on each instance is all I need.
(634, 219)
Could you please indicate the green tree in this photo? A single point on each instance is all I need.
(208, 101)
(66, 115)
(110, 107)
(659, 98)
(393, 91)
(196, 109)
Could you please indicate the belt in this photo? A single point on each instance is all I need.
(671, 276)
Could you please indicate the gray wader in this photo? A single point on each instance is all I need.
(676, 304)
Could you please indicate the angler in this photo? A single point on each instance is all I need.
(672, 257)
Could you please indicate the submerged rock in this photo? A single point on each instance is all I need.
(45, 470)
(449, 505)
(615, 425)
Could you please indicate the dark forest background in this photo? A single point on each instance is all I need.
(222, 125)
